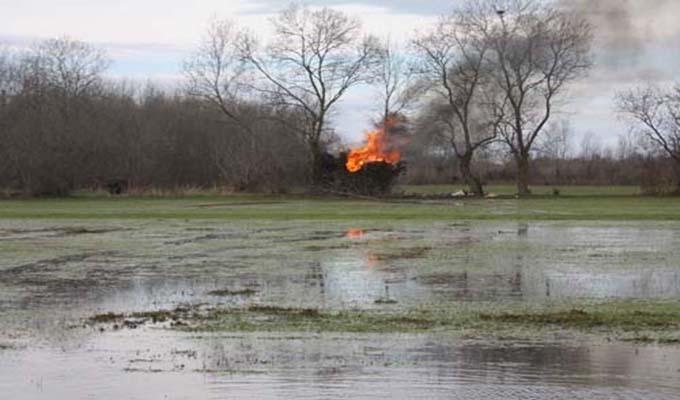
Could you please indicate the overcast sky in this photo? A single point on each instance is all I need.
(637, 41)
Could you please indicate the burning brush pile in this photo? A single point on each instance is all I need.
(370, 170)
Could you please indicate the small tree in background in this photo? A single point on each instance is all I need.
(655, 115)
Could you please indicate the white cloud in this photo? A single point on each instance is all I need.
(149, 38)
(123, 21)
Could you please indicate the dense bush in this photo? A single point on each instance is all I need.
(73, 130)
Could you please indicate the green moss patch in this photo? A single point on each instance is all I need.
(407, 253)
(643, 322)
(106, 318)
(579, 318)
(232, 293)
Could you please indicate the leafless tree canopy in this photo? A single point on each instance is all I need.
(315, 57)
(8, 72)
(454, 58)
(396, 80)
(215, 76)
(70, 67)
(655, 115)
(214, 72)
(536, 51)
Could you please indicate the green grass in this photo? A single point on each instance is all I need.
(640, 321)
(510, 190)
(583, 204)
(232, 293)
(618, 317)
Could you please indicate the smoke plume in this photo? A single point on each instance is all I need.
(627, 31)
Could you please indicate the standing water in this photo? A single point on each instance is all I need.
(54, 276)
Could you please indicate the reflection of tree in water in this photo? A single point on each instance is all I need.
(471, 284)
(528, 361)
(356, 279)
(523, 229)
(330, 358)
(551, 363)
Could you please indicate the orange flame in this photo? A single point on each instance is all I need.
(375, 150)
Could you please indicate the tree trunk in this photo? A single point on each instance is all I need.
(522, 174)
(317, 173)
(677, 176)
(474, 183)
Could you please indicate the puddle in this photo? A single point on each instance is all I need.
(155, 364)
(51, 280)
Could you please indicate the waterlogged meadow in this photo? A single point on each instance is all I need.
(210, 298)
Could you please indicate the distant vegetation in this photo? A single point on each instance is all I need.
(476, 100)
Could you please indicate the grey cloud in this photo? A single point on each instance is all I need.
(617, 40)
(624, 29)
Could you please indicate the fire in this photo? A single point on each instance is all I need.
(375, 150)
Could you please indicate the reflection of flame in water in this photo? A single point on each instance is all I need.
(371, 260)
(355, 233)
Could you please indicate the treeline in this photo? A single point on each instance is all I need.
(653, 173)
(64, 127)
(559, 160)
(476, 97)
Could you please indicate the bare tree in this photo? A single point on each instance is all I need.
(314, 58)
(214, 74)
(627, 146)
(590, 146)
(395, 79)
(556, 145)
(215, 70)
(6, 81)
(537, 49)
(656, 115)
(7, 74)
(50, 132)
(453, 57)
(70, 67)
(253, 147)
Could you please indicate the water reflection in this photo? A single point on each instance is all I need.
(414, 265)
(355, 233)
(56, 280)
(157, 364)
(344, 366)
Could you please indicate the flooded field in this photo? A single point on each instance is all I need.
(281, 284)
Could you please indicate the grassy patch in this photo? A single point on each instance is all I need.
(579, 318)
(645, 339)
(546, 190)
(106, 318)
(644, 322)
(232, 293)
(280, 319)
(294, 208)
(408, 253)
(79, 230)
(385, 300)
(658, 321)
(164, 315)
